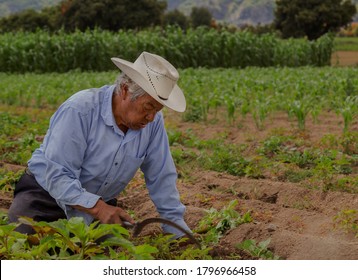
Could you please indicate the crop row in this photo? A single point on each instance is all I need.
(257, 91)
(91, 50)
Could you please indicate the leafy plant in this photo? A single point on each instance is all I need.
(70, 239)
(348, 220)
(8, 179)
(271, 146)
(169, 248)
(215, 223)
(259, 250)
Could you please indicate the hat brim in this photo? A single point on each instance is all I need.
(176, 100)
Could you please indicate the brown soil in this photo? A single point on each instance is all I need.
(299, 221)
(345, 58)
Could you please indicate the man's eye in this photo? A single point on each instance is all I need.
(148, 108)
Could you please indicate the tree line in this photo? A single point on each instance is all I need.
(293, 18)
(111, 15)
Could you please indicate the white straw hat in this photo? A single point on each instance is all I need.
(157, 77)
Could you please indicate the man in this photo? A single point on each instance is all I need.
(96, 142)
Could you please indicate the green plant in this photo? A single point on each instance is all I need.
(215, 223)
(70, 239)
(296, 176)
(349, 142)
(302, 159)
(271, 146)
(348, 220)
(348, 109)
(8, 179)
(169, 248)
(300, 109)
(42, 51)
(225, 158)
(258, 250)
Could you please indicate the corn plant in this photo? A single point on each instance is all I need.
(42, 51)
(348, 110)
(300, 109)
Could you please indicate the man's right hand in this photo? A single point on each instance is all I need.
(107, 214)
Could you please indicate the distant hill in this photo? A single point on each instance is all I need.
(239, 12)
(236, 12)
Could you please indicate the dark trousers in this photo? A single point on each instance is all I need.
(31, 200)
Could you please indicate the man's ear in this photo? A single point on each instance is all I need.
(124, 91)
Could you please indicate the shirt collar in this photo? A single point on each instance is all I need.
(106, 111)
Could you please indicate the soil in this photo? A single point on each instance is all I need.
(299, 221)
(345, 58)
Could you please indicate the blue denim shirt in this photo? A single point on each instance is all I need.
(85, 156)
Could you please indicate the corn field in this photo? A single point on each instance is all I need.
(90, 51)
(273, 172)
(300, 92)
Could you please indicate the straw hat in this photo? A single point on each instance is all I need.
(157, 77)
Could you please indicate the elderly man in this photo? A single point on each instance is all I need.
(96, 142)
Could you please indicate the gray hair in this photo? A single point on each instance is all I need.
(135, 90)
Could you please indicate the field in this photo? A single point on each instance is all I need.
(346, 43)
(345, 58)
(267, 160)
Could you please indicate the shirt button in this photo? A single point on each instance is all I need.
(106, 183)
(116, 163)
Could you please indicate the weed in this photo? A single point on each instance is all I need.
(258, 250)
(271, 146)
(349, 142)
(348, 220)
(8, 179)
(215, 223)
(169, 248)
(226, 158)
(296, 176)
(347, 184)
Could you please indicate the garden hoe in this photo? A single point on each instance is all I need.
(138, 227)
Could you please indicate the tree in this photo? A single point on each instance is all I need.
(200, 17)
(27, 20)
(176, 17)
(111, 14)
(89, 14)
(312, 18)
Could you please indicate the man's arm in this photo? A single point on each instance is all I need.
(160, 175)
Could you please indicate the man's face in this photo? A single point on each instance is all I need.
(138, 113)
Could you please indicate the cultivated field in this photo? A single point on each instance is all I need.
(345, 58)
(267, 161)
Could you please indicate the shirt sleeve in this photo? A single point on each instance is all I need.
(160, 176)
(64, 151)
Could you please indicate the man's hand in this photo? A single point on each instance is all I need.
(107, 214)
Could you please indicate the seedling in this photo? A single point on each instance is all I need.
(258, 250)
(348, 220)
(215, 223)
